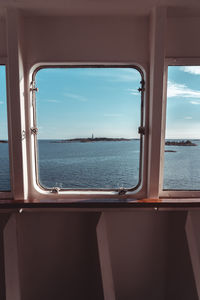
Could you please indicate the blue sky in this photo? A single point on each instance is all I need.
(3, 108)
(105, 102)
(183, 102)
(79, 102)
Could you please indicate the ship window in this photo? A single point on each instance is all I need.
(87, 121)
(182, 138)
(4, 151)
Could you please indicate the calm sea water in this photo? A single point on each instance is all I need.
(89, 165)
(4, 168)
(182, 168)
(106, 165)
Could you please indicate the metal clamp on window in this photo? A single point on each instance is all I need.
(34, 130)
(122, 191)
(33, 88)
(141, 130)
(142, 89)
(55, 190)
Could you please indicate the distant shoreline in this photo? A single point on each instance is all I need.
(91, 140)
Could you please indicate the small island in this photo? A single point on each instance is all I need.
(180, 143)
(3, 142)
(91, 140)
(170, 151)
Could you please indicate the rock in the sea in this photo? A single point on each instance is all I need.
(180, 143)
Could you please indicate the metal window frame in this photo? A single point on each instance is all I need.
(7, 194)
(82, 192)
(184, 194)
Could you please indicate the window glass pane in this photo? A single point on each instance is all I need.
(4, 152)
(182, 143)
(88, 121)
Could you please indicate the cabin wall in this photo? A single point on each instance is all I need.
(3, 220)
(86, 39)
(183, 38)
(58, 255)
(3, 43)
(58, 251)
(101, 39)
(149, 256)
(138, 245)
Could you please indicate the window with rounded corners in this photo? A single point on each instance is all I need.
(181, 170)
(88, 127)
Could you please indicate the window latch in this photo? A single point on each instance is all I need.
(34, 130)
(23, 134)
(33, 88)
(142, 88)
(141, 130)
(55, 190)
(122, 191)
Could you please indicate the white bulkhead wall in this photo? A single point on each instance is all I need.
(86, 39)
(83, 40)
(3, 45)
(155, 239)
(98, 40)
(15, 97)
(183, 38)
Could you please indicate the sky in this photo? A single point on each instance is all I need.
(3, 106)
(79, 102)
(183, 102)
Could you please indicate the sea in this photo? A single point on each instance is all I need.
(105, 165)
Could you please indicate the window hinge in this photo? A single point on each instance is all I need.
(55, 190)
(141, 130)
(33, 88)
(142, 88)
(34, 130)
(23, 134)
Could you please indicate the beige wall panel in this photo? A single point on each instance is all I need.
(89, 39)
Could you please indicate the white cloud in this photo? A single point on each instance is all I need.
(191, 69)
(134, 92)
(112, 115)
(181, 90)
(195, 102)
(125, 74)
(188, 118)
(52, 101)
(75, 97)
